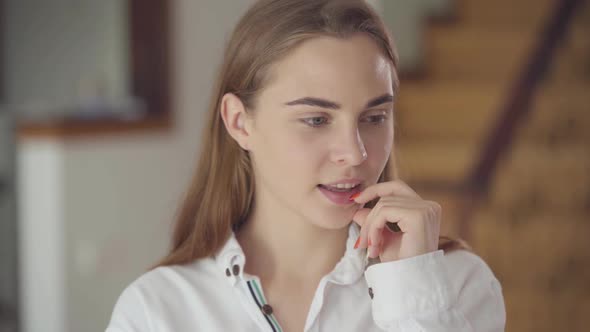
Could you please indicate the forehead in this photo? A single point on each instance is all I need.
(326, 66)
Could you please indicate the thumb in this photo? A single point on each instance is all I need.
(360, 216)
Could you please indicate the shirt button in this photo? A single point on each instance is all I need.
(371, 292)
(267, 309)
(236, 269)
(227, 273)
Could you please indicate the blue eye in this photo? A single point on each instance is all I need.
(313, 122)
(319, 121)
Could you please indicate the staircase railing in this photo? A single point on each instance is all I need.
(475, 188)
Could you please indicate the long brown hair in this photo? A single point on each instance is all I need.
(221, 193)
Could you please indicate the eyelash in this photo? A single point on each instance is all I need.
(382, 119)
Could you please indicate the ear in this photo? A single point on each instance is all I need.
(235, 117)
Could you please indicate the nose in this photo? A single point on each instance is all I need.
(349, 149)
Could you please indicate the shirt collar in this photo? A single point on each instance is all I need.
(352, 265)
(231, 260)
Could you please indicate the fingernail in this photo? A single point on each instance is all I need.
(358, 241)
(355, 195)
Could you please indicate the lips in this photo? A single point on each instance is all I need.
(339, 197)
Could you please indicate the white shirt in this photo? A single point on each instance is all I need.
(431, 292)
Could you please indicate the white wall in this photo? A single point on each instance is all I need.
(115, 197)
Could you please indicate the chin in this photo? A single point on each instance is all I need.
(332, 220)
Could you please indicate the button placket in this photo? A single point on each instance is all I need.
(267, 309)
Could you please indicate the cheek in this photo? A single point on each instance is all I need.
(301, 151)
(293, 154)
(378, 145)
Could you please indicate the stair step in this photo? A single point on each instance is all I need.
(495, 54)
(440, 160)
(570, 68)
(500, 49)
(530, 309)
(443, 110)
(459, 111)
(435, 161)
(481, 53)
(577, 36)
(560, 115)
(573, 59)
(555, 179)
(535, 250)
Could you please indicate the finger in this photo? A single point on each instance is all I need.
(378, 226)
(398, 215)
(405, 220)
(364, 216)
(382, 189)
(375, 239)
(361, 216)
(405, 201)
(364, 242)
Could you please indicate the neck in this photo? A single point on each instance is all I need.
(281, 247)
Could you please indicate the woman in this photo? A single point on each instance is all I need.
(296, 185)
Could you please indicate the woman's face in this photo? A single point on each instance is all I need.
(343, 130)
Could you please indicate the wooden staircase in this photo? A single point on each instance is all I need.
(534, 226)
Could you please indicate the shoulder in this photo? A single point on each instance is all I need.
(168, 280)
(157, 290)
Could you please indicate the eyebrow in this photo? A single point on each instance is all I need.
(323, 103)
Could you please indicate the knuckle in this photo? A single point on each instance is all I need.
(434, 208)
(377, 210)
(437, 207)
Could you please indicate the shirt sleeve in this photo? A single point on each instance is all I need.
(436, 292)
(129, 314)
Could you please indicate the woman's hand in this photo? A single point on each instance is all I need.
(418, 221)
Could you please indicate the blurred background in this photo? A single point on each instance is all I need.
(102, 105)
